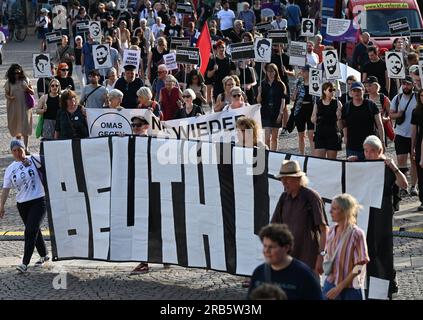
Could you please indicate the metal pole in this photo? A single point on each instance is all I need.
(245, 66)
(185, 79)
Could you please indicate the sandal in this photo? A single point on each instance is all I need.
(141, 268)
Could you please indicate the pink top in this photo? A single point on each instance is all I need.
(353, 252)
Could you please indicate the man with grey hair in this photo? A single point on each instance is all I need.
(159, 82)
(302, 210)
(247, 15)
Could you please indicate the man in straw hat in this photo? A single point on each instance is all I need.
(302, 209)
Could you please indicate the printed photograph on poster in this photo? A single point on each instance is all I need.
(263, 50)
(308, 27)
(243, 51)
(278, 36)
(95, 29)
(188, 55)
(331, 63)
(170, 61)
(41, 65)
(297, 52)
(101, 56)
(121, 5)
(395, 64)
(315, 82)
(132, 57)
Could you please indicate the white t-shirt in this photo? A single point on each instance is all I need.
(279, 25)
(312, 59)
(25, 180)
(404, 129)
(156, 29)
(226, 19)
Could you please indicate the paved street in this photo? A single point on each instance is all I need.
(98, 280)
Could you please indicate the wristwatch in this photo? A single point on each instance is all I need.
(322, 253)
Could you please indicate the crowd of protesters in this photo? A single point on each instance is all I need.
(360, 118)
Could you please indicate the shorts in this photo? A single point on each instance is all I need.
(303, 118)
(41, 34)
(402, 145)
(328, 142)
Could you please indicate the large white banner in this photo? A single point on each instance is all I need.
(173, 201)
(109, 122)
(219, 126)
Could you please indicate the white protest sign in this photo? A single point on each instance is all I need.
(41, 65)
(395, 64)
(262, 50)
(101, 56)
(59, 22)
(211, 127)
(308, 27)
(95, 30)
(121, 5)
(347, 71)
(331, 63)
(315, 82)
(132, 57)
(378, 288)
(170, 61)
(297, 53)
(337, 27)
(108, 122)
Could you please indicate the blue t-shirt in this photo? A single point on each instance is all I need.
(293, 12)
(297, 280)
(87, 50)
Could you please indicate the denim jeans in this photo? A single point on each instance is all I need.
(346, 294)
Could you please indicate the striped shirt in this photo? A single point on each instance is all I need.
(352, 253)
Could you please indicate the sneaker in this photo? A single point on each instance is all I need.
(284, 132)
(42, 260)
(22, 268)
(403, 193)
(140, 269)
(413, 191)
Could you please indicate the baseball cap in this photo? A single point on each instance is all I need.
(408, 79)
(143, 120)
(129, 67)
(357, 85)
(371, 80)
(44, 10)
(17, 143)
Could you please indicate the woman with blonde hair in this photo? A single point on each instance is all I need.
(155, 58)
(48, 106)
(224, 98)
(346, 256)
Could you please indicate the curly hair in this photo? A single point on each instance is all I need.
(10, 75)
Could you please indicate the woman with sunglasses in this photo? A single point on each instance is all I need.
(66, 82)
(155, 58)
(237, 99)
(23, 175)
(189, 109)
(48, 106)
(326, 116)
(196, 83)
(19, 116)
(272, 96)
(71, 121)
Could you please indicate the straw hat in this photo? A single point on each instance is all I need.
(290, 168)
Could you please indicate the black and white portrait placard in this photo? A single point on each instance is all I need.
(395, 64)
(101, 56)
(308, 27)
(95, 30)
(262, 50)
(331, 64)
(121, 5)
(315, 82)
(41, 65)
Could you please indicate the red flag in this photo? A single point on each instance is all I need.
(204, 43)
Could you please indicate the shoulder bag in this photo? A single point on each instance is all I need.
(328, 264)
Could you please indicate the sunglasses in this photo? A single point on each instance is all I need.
(331, 90)
(54, 86)
(64, 69)
(162, 71)
(405, 83)
(186, 97)
(236, 95)
(137, 125)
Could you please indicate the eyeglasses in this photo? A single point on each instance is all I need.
(136, 125)
(236, 95)
(162, 71)
(186, 97)
(64, 69)
(54, 86)
(331, 90)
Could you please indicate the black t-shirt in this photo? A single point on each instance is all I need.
(182, 113)
(360, 123)
(53, 105)
(78, 54)
(43, 85)
(225, 68)
(276, 59)
(297, 280)
(377, 69)
(173, 31)
(417, 120)
(129, 90)
(272, 96)
(66, 82)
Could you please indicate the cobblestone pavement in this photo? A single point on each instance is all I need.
(99, 280)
